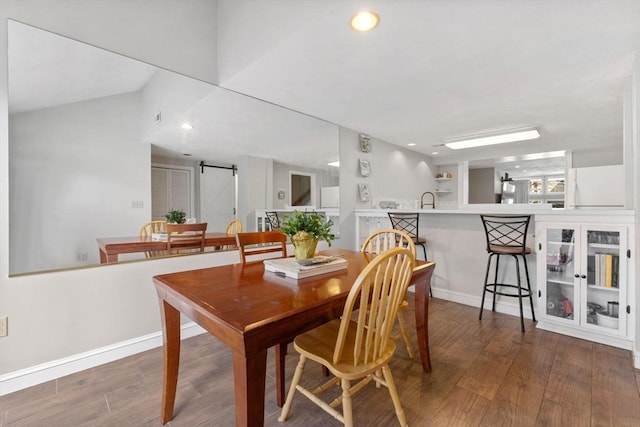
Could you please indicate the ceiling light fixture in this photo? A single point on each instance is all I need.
(186, 126)
(335, 164)
(411, 144)
(365, 21)
(493, 138)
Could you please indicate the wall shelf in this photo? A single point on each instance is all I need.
(442, 179)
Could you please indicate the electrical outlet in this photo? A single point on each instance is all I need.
(137, 204)
(83, 256)
(3, 327)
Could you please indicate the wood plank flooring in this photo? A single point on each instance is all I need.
(485, 373)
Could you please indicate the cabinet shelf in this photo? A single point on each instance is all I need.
(560, 280)
(604, 288)
(553, 242)
(442, 191)
(442, 179)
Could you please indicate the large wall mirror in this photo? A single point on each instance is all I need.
(86, 125)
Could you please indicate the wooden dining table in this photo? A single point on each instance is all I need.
(250, 310)
(111, 247)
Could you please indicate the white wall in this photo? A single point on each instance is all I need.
(71, 183)
(396, 174)
(56, 315)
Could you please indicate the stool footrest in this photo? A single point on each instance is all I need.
(525, 292)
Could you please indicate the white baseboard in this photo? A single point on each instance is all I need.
(636, 357)
(511, 308)
(18, 380)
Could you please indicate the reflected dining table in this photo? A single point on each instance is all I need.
(250, 310)
(111, 247)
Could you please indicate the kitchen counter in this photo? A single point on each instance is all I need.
(518, 209)
(456, 242)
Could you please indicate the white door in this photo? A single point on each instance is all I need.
(171, 189)
(217, 197)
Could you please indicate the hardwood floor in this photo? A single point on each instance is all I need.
(485, 373)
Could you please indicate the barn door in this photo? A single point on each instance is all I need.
(218, 196)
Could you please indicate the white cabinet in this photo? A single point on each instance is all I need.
(583, 281)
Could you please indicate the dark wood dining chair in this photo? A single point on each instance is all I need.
(186, 237)
(259, 243)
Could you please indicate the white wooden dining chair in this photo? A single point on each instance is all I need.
(358, 350)
(383, 240)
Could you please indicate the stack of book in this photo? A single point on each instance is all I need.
(291, 267)
(603, 269)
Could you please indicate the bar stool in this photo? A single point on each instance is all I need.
(506, 235)
(408, 222)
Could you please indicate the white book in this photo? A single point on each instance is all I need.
(290, 267)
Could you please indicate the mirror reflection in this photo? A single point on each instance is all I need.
(101, 144)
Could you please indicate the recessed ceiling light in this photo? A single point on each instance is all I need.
(517, 166)
(411, 144)
(335, 164)
(186, 126)
(494, 138)
(365, 21)
(435, 152)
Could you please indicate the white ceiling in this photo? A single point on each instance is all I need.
(431, 71)
(437, 70)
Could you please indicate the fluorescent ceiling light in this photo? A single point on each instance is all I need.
(492, 139)
(336, 163)
(365, 21)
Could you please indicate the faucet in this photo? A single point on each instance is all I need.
(433, 200)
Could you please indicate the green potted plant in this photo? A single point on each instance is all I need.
(305, 230)
(176, 217)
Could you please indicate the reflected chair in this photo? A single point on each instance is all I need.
(358, 349)
(186, 237)
(233, 228)
(408, 222)
(148, 230)
(273, 220)
(507, 235)
(258, 243)
(383, 240)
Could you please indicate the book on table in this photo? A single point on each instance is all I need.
(293, 268)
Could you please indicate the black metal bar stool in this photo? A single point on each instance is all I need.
(507, 235)
(408, 222)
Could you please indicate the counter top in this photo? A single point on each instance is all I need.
(478, 209)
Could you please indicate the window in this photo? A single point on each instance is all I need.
(547, 189)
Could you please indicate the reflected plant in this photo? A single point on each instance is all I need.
(176, 217)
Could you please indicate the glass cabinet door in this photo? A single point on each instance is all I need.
(561, 294)
(605, 273)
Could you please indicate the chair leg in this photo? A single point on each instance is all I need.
(526, 272)
(391, 385)
(495, 281)
(347, 410)
(484, 288)
(405, 334)
(292, 390)
(518, 281)
(424, 251)
(281, 351)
